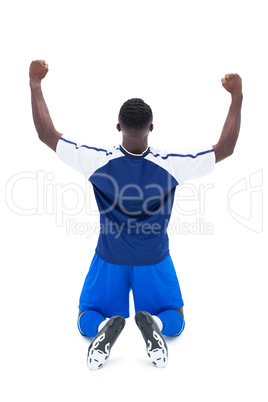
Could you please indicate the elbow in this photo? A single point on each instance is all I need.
(41, 132)
(43, 138)
(50, 139)
(229, 153)
(222, 152)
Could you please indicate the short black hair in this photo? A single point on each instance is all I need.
(135, 113)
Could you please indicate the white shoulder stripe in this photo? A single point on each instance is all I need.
(83, 158)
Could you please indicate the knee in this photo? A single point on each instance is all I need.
(88, 322)
(79, 323)
(173, 322)
(180, 310)
(180, 327)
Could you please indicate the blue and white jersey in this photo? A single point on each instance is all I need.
(135, 195)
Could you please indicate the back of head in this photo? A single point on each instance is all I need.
(135, 114)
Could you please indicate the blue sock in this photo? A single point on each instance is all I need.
(88, 323)
(173, 322)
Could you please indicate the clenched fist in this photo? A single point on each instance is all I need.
(38, 71)
(232, 83)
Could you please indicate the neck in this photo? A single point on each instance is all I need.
(135, 145)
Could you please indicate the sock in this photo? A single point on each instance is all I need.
(102, 324)
(173, 322)
(158, 322)
(88, 323)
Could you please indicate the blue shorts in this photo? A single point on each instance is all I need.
(106, 288)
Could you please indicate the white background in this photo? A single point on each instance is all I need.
(173, 55)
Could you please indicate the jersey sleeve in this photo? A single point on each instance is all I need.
(82, 158)
(191, 164)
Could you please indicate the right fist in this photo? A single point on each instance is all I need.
(232, 83)
(38, 70)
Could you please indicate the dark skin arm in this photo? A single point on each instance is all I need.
(42, 120)
(226, 144)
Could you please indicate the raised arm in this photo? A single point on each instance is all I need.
(42, 120)
(226, 144)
